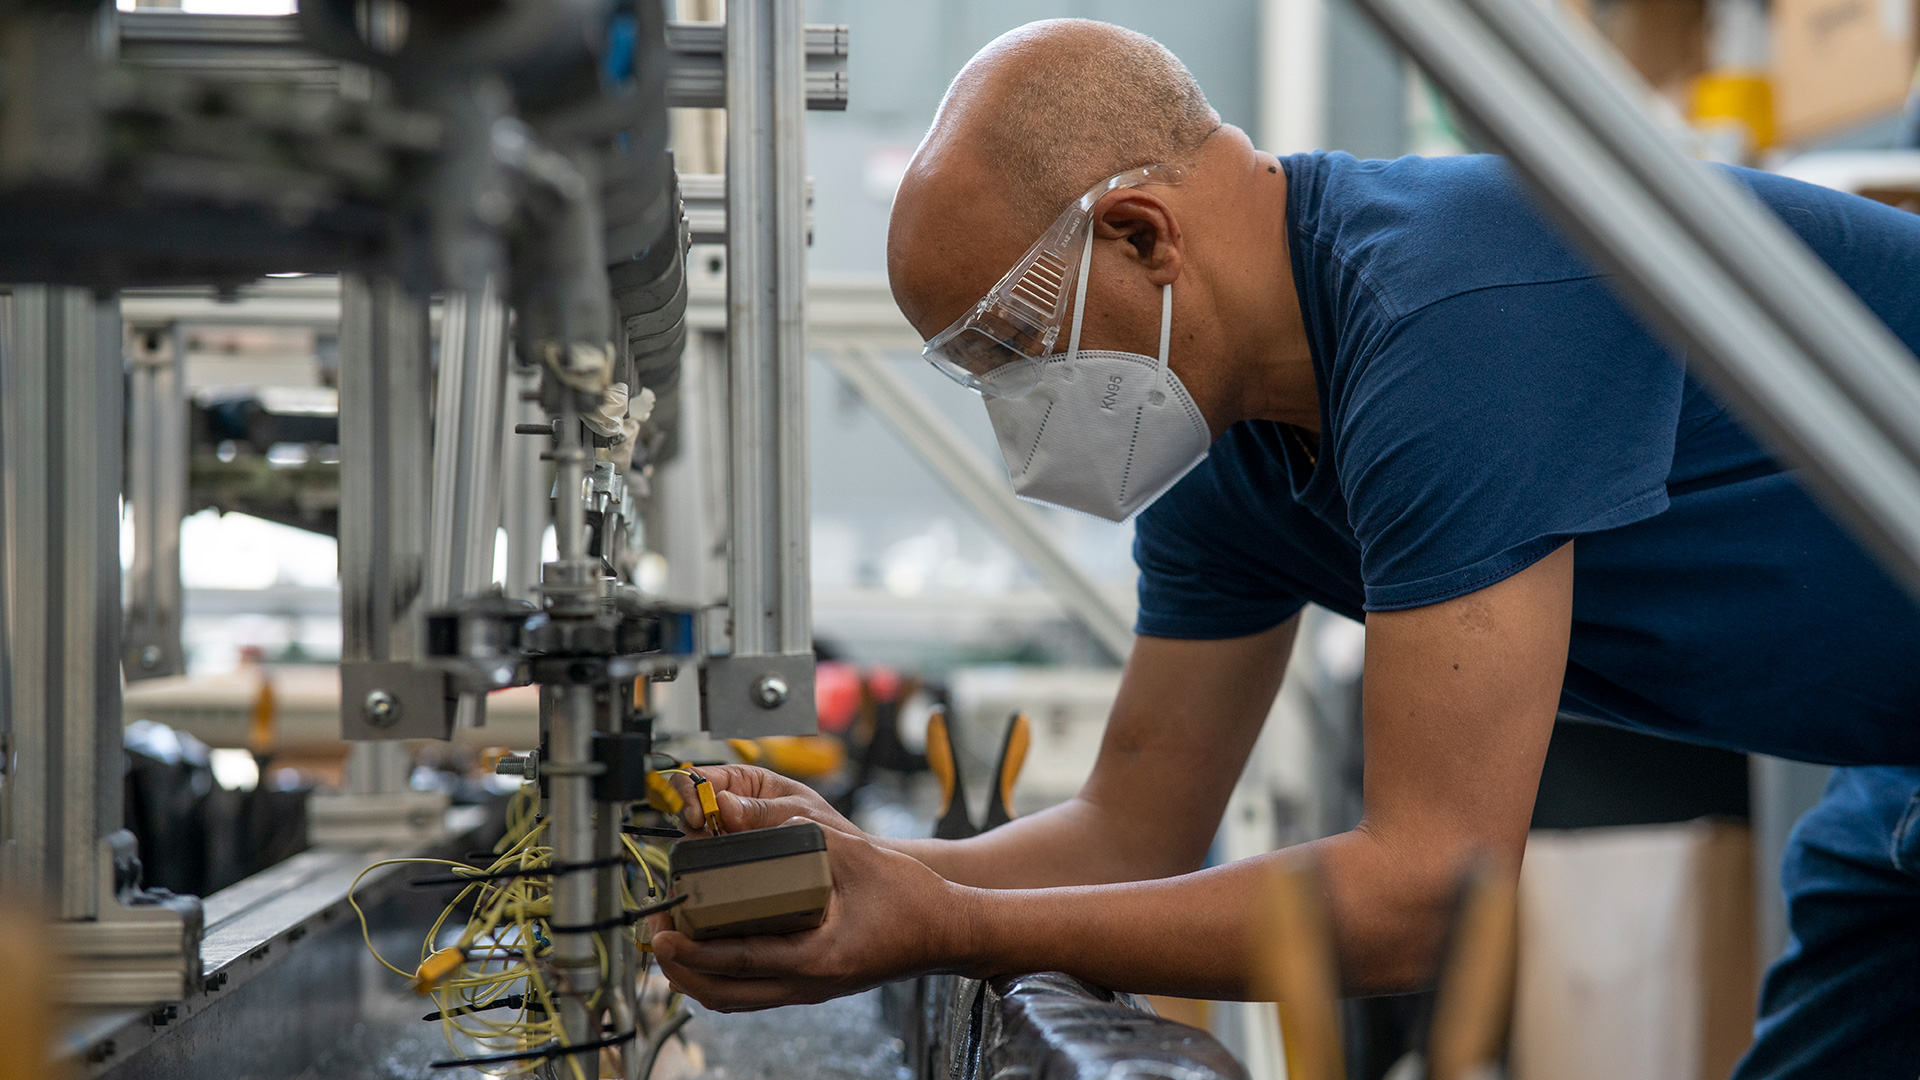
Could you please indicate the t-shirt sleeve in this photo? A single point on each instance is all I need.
(1193, 585)
(1485, 430)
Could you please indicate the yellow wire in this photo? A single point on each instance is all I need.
(506, 918)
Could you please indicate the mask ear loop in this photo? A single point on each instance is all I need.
(1080, 299)
(1166, 339)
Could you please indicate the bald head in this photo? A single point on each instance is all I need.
(1057, 106)
(1040, 115)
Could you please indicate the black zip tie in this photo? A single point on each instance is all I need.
(511, 1001)
(532, 871)
(544, 1054)
(651, 830)
(625, 918)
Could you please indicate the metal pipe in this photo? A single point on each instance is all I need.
(1770, 328)
(984, 490)
(156, 500)
(764, 685)
(385, 459)
(570, 741)
(528, 506)
(766, 327)
(468, 443)
(385, 455)
(468, 439)
(570, 809)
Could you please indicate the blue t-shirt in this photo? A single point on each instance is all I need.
(1484, 398)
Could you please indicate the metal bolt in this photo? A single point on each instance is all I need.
(381, 709)
(150, 657)
(527, 767)
(770, 691)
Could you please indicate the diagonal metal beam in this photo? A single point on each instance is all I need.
(1766, 324)
(983, 489)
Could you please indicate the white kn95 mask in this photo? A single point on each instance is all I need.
(1100, 432)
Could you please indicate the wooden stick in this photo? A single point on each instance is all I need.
(1474, 1006)
(1298, 971)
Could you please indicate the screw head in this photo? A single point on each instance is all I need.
(150, 657)
(381, 709)
(770, 692)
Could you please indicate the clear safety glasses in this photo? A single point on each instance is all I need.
(995, 347)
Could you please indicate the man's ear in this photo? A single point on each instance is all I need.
(1147, 224)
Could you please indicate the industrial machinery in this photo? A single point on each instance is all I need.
(498, 171)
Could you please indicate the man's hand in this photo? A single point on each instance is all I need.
(754, 798)
(889, 916)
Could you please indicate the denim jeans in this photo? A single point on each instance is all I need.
(1844, 1000)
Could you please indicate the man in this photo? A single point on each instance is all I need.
(1426, 410)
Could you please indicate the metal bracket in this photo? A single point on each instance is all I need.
(746, 697)
(143, 947)
(395, 699)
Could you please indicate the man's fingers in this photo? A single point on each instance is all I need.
(736, 958)
(722, 994)
(740, 812)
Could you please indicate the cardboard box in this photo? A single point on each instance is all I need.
(1837, 63)
(1664, 40)
(1637, 954)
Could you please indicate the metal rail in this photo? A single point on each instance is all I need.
(254, 47)
(469, 444)
(984, 489)
(765, 685)
(157, 501)
(1768, 326)
(60, 395)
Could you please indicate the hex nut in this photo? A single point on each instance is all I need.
(770, 691)
(381, 709)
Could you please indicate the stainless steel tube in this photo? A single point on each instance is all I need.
(570, 742)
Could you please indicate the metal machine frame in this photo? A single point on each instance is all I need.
(506, 160)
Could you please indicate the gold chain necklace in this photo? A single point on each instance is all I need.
(1313, 459)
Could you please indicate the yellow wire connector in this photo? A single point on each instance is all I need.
(435, 969)
(747, 749)
(709, 802)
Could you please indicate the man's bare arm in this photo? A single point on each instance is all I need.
(1182, 725)
(1460, 699)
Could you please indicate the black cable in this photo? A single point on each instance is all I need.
(659, 1041)
(502, 875)
(545, 1053)
(649, 830)
(511, 1001)
(625, 918)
